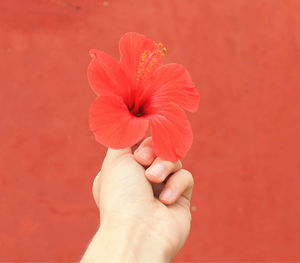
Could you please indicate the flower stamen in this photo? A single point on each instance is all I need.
(149, 59)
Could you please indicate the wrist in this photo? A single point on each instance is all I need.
(129, 241)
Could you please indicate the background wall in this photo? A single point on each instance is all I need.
(244, 56)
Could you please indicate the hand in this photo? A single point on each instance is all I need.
(142, 219)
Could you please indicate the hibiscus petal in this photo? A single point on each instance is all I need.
(172, 82)
(106, 76)
(132, 45)
(171, 132)
(113, 125)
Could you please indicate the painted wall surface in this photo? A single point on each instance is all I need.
(244, 56)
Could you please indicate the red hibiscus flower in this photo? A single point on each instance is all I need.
(141, 91)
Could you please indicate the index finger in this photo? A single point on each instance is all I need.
(144, 154)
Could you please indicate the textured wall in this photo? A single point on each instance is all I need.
(244, 56)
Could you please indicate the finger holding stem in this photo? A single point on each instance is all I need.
(144, 154)
(161, 169)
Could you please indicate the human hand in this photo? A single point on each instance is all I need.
(142, 219)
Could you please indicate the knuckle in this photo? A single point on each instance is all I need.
(173, 166)
(146, 142)
(189, 175)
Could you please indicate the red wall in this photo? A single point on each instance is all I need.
(244, 56)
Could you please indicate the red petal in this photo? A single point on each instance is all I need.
(171, 132)
(106, 76)
(172, 82)
(132, 45)
(113, 125)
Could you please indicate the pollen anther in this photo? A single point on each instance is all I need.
(149, 59)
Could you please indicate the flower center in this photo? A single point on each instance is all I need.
(136, 110)
(149, 59)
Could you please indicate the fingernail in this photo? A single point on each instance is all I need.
(166, 195)
(145, 153)
(156, 170)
